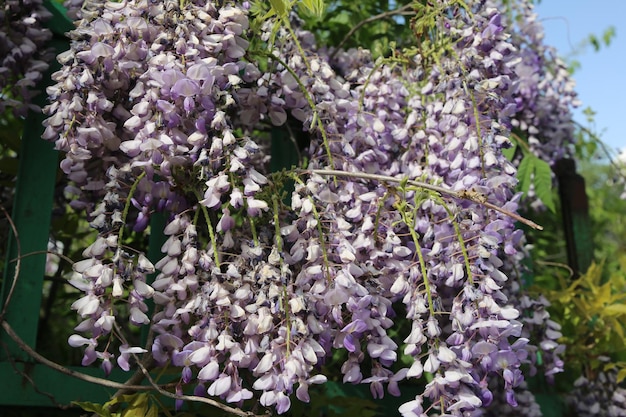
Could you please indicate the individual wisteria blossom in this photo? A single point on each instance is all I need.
(24, 54)
(162, 106)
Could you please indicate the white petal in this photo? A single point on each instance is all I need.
(209, 372)
(220, 386)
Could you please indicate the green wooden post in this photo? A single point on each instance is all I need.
(24, 381)
(31, 214)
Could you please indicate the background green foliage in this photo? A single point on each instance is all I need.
(378, 32)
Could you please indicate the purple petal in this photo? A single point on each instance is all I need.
(185, 88)
(357, 326)
(348, 343)
(303, 393)
(209, 372)
(510, 398)
(282, 403)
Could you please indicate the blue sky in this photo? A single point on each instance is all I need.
(601, 79)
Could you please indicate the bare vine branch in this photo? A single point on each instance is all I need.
(64, 370)
(461, 195)
(160, 390)
(209, 401)
(610, 154)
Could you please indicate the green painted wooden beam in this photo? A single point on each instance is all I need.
(60, 24)
(158, 221)
(32, 208)
(36, 385)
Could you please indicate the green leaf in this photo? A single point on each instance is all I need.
(615, 310)
(593, 40)
(314, 7)
(99, 409)
(608, 35)
(342, 18)
(543, 183)
(280, 7)
(509, 154)
(621, 375)
(153, 411)
(524, 172)
(137, 406)
(536, 172)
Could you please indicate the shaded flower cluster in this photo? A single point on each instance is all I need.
(601, 396)
(527, 405)
(24, 55)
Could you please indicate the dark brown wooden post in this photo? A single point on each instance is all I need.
(575, 212)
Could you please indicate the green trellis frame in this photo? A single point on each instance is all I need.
(24, 381)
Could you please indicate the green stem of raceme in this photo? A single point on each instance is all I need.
(459, 236)
(279, 246)
(521, 142)
(316, 119)
(278, 239)
(133, 188)
(409, 221)
(321, 240)
(298, 45)
(379, 209)
(479, 133)
(320, 231)
(476, 113)
(205, 211)
(377, 66)
(255, 237)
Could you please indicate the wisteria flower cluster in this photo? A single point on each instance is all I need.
(545, 93)
(601, 396)
(165, 106)
(24, 55)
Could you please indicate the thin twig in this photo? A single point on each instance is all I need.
(216, 404)
(462, 195)
(160, 390)
(608, 152)
(558, 265)
(47, 252)
(18, 262)
(25, 375)
(384, 15)
(64, 370)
